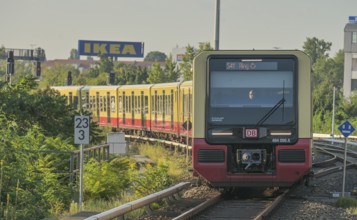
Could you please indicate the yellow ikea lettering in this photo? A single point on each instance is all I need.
(87, 47)
(114, 49)
(100, 48)
(129, 49)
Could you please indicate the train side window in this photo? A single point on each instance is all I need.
(70, 99)
(126, 104)
(172, 102)
(190, 102)
(136, 104)
(112, 103)
(120, 104)
(90, 103)
(101, 103)
(139, 105)
(156, 103)
(130, 103)
(104, 103)
(163, 102)
(75, 102)
(146, 104)
(160, 104)
(168, 104)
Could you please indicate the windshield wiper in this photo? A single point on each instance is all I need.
(272, 110)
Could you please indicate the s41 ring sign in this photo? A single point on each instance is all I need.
(81, 129)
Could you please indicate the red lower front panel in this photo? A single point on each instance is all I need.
(216, 170)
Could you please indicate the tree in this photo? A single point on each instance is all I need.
(156, 74)
(57, 75)
(186, 65)
(106, 63)
(74, 54)
(191, 52)
(171, 70)
(155, 56)
(316, 48)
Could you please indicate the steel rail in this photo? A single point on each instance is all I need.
(145, 201)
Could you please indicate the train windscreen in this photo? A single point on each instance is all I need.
(252, 91)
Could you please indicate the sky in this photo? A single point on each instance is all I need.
(57, 25)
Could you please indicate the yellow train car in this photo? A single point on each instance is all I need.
(102, 102)
(164, 111)
(72, 94)
(133, 107)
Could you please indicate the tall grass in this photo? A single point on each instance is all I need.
(176, 161)
(348, 203)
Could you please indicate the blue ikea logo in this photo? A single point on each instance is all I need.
(111, 48)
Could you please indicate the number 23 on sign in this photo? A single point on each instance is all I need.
(81, 129)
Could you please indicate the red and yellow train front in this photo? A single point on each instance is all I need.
(252, 118)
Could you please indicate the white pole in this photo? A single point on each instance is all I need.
(333, 115)
(81, 178)
(344, 169)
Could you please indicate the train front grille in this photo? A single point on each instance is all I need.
(291, 156)
(210, 156)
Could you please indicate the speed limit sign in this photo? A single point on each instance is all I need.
(81, 129)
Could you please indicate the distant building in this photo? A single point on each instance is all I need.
(178, 53)
(350, 50)
(82, 65)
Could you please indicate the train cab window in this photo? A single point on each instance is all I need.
(252, 91)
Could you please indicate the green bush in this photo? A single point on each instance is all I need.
(347, 203)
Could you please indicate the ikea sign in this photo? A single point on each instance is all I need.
(111, 48)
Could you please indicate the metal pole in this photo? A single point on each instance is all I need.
(216, 41)
(81, 178)
(333, 115)
(344, 169)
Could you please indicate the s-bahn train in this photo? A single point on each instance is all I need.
(252, 117)
(247, 113)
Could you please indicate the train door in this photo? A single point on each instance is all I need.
(109, 104)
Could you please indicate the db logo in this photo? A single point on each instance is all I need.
(251, 133)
